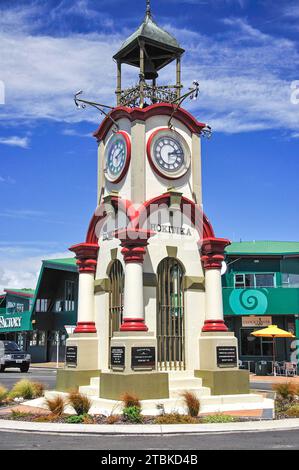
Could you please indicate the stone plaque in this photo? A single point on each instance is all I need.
(226, 356)
(143, 357)
(71, 356)
(117, 356)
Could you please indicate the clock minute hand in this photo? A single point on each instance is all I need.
(178, 152)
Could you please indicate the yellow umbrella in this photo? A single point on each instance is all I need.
(272, 331)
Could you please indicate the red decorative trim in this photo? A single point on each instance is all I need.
(134, 114)
(150, 159)
(17, 293)
(212, 252)
(85, 327)
(99, 217)
(197, 218)
(138, 218)
(214, 325)
(128, 159)
(133, 324)
(87, 255)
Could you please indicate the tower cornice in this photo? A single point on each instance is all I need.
(142, 114)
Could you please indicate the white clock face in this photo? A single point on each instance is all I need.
(116, 154)
(169, 153)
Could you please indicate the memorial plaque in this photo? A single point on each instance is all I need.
(143, 357)
(117, 356)
(71, 355)
(226, 356)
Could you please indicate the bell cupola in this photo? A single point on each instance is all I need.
(149, 49)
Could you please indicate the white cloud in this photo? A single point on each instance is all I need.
(15, 141)
(244, 75)
(7, 180)
(19, 271)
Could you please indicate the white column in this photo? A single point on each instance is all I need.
(86, 254)
(133, 292)
(86, 298)
(213, 301)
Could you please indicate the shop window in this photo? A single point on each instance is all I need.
(33, 338)
(243, 281)
(290, 280)
(69, 296)
(41, 305)
(254, 346)
(13, 307)
(41, 338)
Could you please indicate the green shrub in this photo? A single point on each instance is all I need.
(132, 414)
(129, 400)
(75, 419)
(81, 403)
(15, 414)
(218, 418)
(23, 389)
(56, 405)
(3, 394)
(192, 403)
(292, 411)
(175, 418)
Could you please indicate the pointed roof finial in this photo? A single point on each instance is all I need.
(148, 8)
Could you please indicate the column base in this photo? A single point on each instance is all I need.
(85, 327)
(214, 325)
(133, 324)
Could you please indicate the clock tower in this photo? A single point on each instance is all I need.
(150, 314)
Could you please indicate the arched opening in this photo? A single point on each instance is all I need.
(116, 296)
(170, 315)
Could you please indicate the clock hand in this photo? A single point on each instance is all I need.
(116, 156)
(175, 153)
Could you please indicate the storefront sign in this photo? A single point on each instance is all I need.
(143, 357)
(10, 322)
(118, 356)
(226, 356)
(256, 321)
(71, 356)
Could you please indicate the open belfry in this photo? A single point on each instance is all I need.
(150, 314)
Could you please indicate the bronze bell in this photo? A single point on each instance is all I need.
(150, 72)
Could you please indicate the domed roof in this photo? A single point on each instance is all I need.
(153, 36)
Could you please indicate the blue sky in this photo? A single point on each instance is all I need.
(244, 54)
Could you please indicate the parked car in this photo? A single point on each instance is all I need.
(12, 356)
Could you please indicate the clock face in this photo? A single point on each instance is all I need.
(168, 153)
(117, 156)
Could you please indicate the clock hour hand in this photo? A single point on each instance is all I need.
(178, 152)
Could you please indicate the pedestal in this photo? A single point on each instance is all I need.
(219, 368)
(133, 368)
(81, 362)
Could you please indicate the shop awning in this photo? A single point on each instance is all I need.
(19, 321)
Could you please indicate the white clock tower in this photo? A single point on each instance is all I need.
(150, 315)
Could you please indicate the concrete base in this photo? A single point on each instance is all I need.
(87, 351)
(129, 340)
(145, 385)
(225, 382)
(208, 343)
(70, 379)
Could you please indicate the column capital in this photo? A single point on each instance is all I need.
(212, 252)
(134, 243)
(87, 256)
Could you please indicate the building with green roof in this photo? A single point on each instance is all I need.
(261, 287)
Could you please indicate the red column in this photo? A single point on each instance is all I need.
(86, 254)
(212, 255)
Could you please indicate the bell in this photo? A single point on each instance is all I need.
(150, 72)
